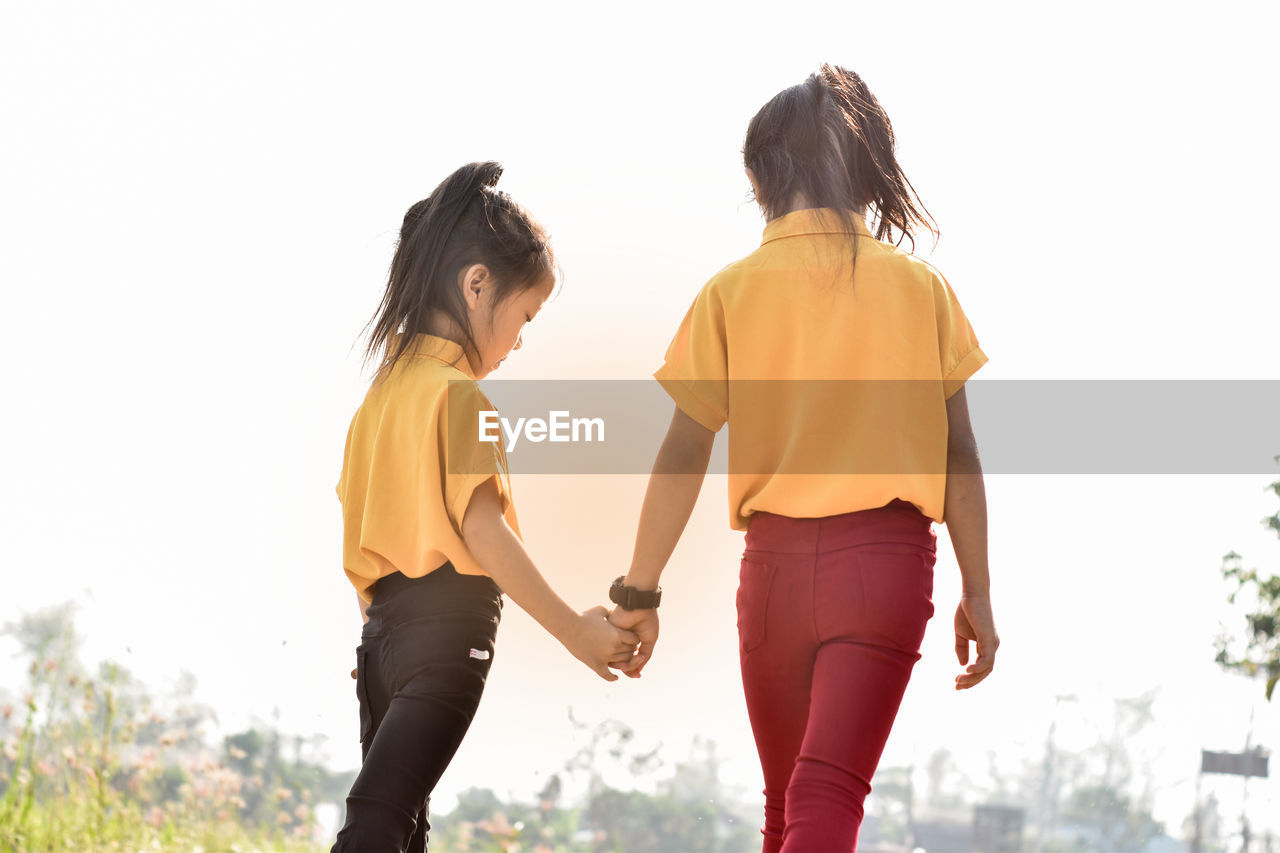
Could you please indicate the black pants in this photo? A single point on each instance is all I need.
(421, 667)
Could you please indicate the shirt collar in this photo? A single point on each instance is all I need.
(811, 220)
(442, 350)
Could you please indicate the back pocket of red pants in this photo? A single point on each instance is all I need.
(897, 589)
(755, 581)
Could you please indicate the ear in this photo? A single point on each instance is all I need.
(474, 281)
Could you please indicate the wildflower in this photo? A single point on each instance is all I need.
(237, 753)
(302, 812)
(50, 666)
(167, 740)
(283, 794)
(44, 767)
(283, 818)
(500, 828)
(155, 817)
(7, 711)
(73, 680)
(11, 750)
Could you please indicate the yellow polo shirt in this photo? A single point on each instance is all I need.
(412, 461)
(833, 380)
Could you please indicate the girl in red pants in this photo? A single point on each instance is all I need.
(838, 361)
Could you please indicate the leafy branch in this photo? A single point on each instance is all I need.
(1261, 598)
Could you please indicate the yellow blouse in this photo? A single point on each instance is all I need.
(412, 461)
(833, 380)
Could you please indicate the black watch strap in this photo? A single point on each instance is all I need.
(630, 598)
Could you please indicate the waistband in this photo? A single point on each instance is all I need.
(896, 522)
(395, 584)
(398, 599)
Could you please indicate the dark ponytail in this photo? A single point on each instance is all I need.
(464, 221)
(829, 140)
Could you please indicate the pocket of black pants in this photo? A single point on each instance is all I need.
(755, 581)
(446, 653)
(363, 672)
(897, 594)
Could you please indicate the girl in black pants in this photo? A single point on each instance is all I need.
(431, 539)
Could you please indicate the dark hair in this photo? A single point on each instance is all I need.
(829, 140)
(464, 221)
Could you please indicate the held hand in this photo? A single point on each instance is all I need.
(645, 625)
(596, 642)
(975, 624)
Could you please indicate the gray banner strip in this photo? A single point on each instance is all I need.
(1022, 426)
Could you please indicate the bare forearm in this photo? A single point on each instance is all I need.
(965, 513)
(503, 556)
(673, 491)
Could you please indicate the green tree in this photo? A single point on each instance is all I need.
(89, 761)
(692, 810)
(1259, 595)
(1115, 823)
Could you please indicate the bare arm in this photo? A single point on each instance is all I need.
(495, 545)
(673, 490)
(965, 508)
(965, 514)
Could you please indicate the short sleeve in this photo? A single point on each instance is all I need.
(340, 489)
(470, 458)
(958, 351)
(695, 371)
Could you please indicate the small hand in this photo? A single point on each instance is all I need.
(645, 625)
(596, 642)
(974, 623)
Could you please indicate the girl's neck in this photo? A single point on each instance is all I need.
(801, 202)
(441, 325)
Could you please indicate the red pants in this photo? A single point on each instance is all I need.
(831, 614)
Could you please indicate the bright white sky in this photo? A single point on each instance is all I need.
(199, 204)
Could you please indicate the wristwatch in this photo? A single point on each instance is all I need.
(630, 598)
